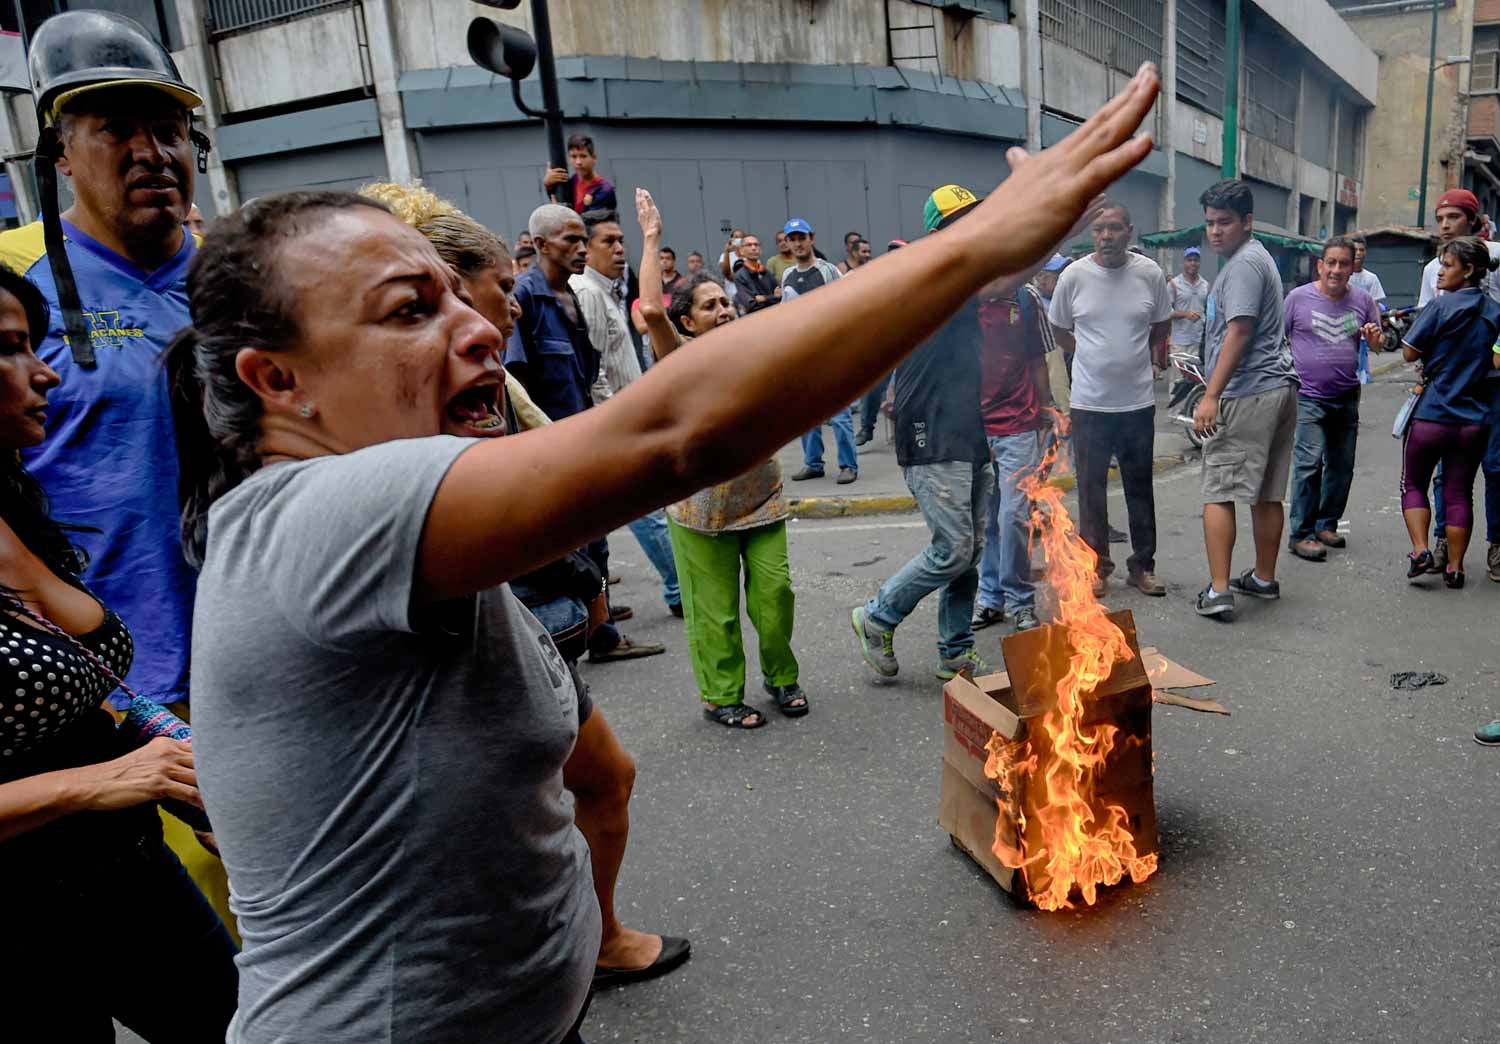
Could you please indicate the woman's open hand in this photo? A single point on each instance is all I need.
(1045, 196)
(647, 214)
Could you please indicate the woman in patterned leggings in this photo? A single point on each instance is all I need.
(1455, 339)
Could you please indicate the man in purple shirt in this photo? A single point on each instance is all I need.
(1325, 321)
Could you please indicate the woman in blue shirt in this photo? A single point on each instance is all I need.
(1455, 339)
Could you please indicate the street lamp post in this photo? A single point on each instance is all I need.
(1433, 65)
(1427, 122)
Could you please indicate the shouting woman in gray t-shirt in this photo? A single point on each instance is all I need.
(380, 726)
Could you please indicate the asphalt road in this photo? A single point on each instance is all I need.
(1327, 867)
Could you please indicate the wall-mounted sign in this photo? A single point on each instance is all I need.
(1200, 132)
(1348, 194)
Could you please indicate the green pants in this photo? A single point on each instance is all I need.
(708, 568)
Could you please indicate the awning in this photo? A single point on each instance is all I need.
(1186, 237)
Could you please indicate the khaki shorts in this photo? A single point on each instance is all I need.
(1249, 458)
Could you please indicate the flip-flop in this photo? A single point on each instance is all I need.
(674, 953)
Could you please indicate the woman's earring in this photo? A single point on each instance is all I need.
(307, 409)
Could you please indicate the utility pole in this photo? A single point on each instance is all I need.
(1427, 123)
(507, 51)
(1230, 168)
(541, 25)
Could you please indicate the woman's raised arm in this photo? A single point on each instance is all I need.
(750, 386)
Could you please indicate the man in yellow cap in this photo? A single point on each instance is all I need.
(944, 456)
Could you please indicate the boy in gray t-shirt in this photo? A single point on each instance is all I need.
(1248, 416)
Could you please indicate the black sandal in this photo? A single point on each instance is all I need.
(1419, 564)
(1453, 578)
(733, 715)
(786, 697)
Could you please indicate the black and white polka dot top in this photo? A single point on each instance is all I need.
(47, 685)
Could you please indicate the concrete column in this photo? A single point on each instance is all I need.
(196, 63)
(1333, 167)
(400, 149)
(17, 142)
(1167, 107)
(1031, 47)
(1294, 200)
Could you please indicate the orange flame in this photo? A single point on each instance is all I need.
(1079, 850)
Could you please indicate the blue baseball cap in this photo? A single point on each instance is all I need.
(1055, 264)
(796, 225)
(1192, 252)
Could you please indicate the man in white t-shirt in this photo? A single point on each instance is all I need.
(1457, 214)
(1362, 278)
(1113, 310)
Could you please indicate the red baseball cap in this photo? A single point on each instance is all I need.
(1463, 199)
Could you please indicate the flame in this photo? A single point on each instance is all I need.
(1063, 756)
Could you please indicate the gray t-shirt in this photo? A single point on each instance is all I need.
(1249, 285)
(385, 781)
(1188, 297)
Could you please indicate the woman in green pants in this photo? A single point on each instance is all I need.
(715, 529)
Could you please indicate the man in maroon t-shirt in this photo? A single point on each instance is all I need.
(1014, 396)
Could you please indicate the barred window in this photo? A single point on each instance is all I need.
(1120, 33)
(1200, 54)
(227, 16)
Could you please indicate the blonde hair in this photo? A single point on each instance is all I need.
(460, 240)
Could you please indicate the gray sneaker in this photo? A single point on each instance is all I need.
(1025, 618)
(1439, 554)
(1492, 561)
(1210, 604)
(1247, 583)
(877, 646)
(968, 663)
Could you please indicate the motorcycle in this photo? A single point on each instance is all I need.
(1395, 323)
(1187, 393)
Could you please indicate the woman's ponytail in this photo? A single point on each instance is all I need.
(238, 301)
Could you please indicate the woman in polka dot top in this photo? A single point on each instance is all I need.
(84, 875)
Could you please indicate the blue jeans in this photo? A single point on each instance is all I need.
(1323, 462)
(954, 498)
(651, 533)
(843, 435)
(1005, 568)
(1491, 469)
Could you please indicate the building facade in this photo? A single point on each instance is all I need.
(1465, 135)
(845, 112)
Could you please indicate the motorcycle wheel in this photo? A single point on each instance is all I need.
(1189, 408)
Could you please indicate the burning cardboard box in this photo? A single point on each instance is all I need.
(1047, 768)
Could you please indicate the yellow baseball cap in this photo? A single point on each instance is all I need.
(946, 204)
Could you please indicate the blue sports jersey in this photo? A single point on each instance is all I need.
(110, 458)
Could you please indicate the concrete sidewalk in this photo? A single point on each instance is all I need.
(881, 489)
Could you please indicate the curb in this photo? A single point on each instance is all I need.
(844, 507)
(901, 504)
